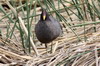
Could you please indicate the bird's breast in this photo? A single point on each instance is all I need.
(47, 31)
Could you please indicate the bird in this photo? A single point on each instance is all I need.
(48, 28)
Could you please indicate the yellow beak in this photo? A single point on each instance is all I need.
(44, 17)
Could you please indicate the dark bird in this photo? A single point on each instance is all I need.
(48, 28)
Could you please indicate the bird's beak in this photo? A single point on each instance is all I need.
(44, 17)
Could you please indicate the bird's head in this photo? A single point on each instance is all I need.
(44, 14)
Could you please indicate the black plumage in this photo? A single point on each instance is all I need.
(48, 28)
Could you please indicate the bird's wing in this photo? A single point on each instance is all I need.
(55, 21)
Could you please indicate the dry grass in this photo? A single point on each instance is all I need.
(69, 51)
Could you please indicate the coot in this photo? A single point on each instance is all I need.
(48, 28)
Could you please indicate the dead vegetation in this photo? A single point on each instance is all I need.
(69, 50)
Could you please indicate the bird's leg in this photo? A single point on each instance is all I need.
(46, 47)
(51, 47)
